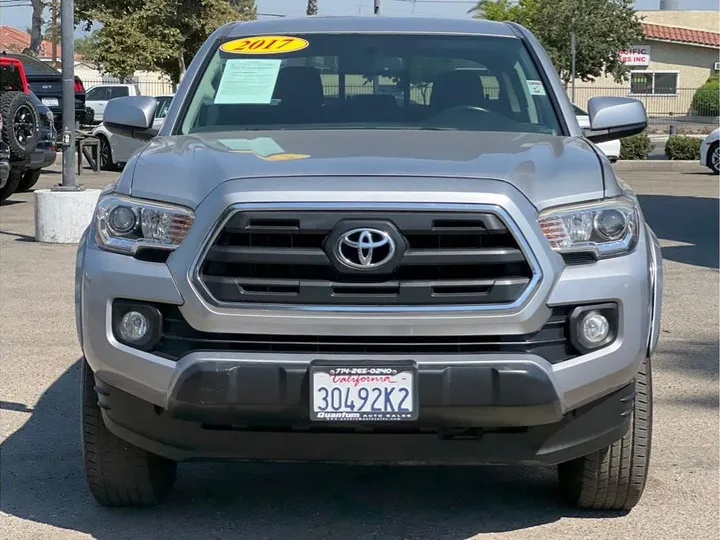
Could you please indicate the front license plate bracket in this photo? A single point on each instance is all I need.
(363, 391)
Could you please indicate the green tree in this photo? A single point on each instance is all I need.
(312, 7)
(155, 34)
(86, 46)
(602, 29)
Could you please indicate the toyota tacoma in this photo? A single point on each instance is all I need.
(369, 240)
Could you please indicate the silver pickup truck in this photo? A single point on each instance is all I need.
(369, 240)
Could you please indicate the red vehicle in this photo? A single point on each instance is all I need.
(19, 124)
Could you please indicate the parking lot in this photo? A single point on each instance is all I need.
(43, 484)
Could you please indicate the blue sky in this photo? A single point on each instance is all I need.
(19, 17)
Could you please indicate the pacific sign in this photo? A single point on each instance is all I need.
(637, 55)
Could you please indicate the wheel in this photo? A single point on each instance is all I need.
(28, 180)
(118, 473)
(20, 126)
(106, 159)
(714, 158)
(614, 478)
(11, 185)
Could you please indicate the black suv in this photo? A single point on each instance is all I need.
(46, 82)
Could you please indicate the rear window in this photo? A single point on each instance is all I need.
(361, 81)
(33, 66)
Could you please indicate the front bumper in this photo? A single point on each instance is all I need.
(225, 395)
(170, 434)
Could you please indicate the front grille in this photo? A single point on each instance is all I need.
(551, 342)
(280, 257)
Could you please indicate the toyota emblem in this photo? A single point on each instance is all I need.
(364, 249)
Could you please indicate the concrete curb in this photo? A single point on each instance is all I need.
(665, 165)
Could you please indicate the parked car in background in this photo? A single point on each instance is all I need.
(20, 126)
(46, 82)
(710, 151)
(99, 95)
(116, 150)
(610, 148)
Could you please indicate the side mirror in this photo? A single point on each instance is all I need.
(614, 117)
(131, 117)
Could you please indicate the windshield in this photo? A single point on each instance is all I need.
(362, 81)
(33, 66)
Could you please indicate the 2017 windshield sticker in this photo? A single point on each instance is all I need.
(264, 45)
(536, 88)
(248, 82)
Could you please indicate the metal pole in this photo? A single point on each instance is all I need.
(377, 7)
(572, 68)
(54, 26)
(68, 95)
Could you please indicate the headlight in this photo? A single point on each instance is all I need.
(607, 228)
(126, 225)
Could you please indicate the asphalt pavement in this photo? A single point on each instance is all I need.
(43, 492)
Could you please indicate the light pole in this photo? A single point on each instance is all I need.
(67, 24)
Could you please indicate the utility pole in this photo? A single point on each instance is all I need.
(54, 31)
(68, 93)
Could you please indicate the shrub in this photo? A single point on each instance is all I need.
(635, 147)
(679, 147)
(706, 101)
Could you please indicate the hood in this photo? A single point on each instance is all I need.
(548, 170)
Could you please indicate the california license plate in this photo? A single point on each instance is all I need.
(363, 393)
(50, 101)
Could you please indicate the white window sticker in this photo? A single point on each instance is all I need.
(260, 146)
(536, 88)
(246, 81)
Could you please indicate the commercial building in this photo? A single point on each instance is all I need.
(680, 51)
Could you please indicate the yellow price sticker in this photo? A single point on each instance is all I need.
(264, 45)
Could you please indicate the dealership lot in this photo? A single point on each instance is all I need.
(43, 492)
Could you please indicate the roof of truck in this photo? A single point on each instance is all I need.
(374, 24)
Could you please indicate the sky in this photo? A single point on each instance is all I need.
(19, 17)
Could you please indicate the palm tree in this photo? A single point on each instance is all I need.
(311, 7)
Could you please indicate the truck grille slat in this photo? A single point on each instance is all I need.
(291, 258)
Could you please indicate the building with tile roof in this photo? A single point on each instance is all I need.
(680, 51)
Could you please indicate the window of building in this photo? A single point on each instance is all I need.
(659, 83)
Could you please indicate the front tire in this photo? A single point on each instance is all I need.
(118, 473)
(11, 185)
(614, 478)
(106, 159)
(714, 158)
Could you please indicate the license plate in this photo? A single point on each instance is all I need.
(50, 102)
(363, 393)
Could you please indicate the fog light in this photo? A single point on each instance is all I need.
(595, 328)
(134, 327)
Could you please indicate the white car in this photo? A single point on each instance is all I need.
(116, 150)
(710, 151)
(97, 97)
(610, 148)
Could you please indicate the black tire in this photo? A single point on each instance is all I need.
(20, 129)
(11, 185)
(713, 159)
(614, 478)
(105, 153)
(118, 473)
(28, 180)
